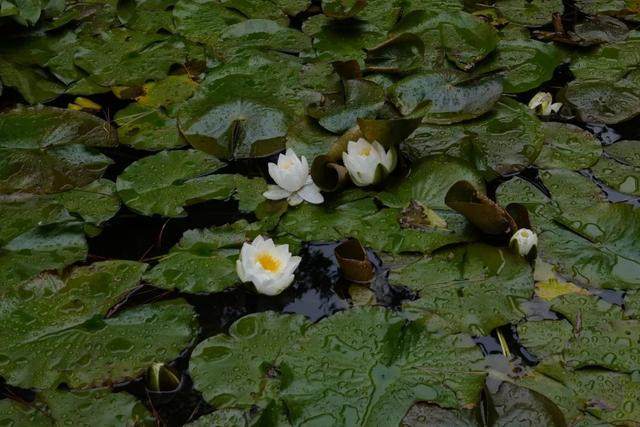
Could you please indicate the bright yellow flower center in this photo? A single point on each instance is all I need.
(365, 151)
(524, 234)
(268, 262)
(286, 164)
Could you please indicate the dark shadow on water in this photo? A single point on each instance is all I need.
(131, 236)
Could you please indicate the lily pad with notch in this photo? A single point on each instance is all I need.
(445, 98)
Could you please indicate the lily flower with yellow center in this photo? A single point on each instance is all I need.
(523, 241)
(269, 267)
(368, 163)
(293, 181)
(543, 103)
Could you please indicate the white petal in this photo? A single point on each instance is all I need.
(240, 270)
(295, 199)
(275, 192)
(555, 107)
(311, 193)
(275, 286)
(524, 240)
(539, 99)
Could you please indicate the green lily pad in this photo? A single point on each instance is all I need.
(357, 219)
(227, 120)
(533, 12)
(525, 64)
(43, 248)
(95, 203)
(603, 101)
(429, 182)
(121, 57)
(588, 240)
(365, 359)
(20, 415)
(442, 99)
(67, 339)
(594, 334)
(164, 183)
(235, 370)
(204, 20)
(473, 288)
(423, 414)
(147, 128)
(611, 62)
(362, 99)
(620, 168)
(504, 142)
(463, 38)
(609, 397)
(203, 261)
(99, 406)
(568, 146)
(46, 150)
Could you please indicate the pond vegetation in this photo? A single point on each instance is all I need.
(319, 213)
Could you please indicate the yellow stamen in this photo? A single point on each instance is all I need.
(268, 262)
(524, 234)
(365, 151)
(286, 164)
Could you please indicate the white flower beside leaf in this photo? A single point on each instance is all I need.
(368, 163)
(269, 267)
(543, 103)
(293, 182)
(523, 241)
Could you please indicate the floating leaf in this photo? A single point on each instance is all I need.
(601, 101)
(473, 288)
(568, 146)
(45, 149)
(462, 37)
(620, 169)
(529, 12)
(230, 370)
(399, 54)
(443, 99)
(525, 64)
(203, 261)
(430, 181)
(362, 99)
(586, 238)
(357, 219)
(43, 248)
(121, 57)
(230, 124)
(383, 359)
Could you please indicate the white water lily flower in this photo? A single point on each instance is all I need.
(543, 102)
(367, 163)
(524, 240)
(268, 266)
(293, 182)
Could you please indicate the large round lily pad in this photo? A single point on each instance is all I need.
(67, 339)
(367, 367)
(441, 99)
(474, 288)
(505, 141)
(46, 150)
(235, 369)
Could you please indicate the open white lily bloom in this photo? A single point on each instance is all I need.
(524, 240)
(543, 102)
(293, 181)
(269, 267)
(367, 163)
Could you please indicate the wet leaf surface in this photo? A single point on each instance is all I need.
(135, 140)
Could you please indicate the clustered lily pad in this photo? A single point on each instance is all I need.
(419, 166)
